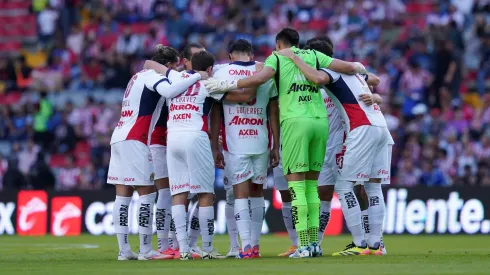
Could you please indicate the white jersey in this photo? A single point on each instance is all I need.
(335, 122)
(141, 104)
(344, 91)
(246, 129)
(188, 112)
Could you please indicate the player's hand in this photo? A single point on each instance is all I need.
(360, 69)
(219, 160)
(274, 157)
(217, 86)
(204, 75)
(367, 99)
(286, 53)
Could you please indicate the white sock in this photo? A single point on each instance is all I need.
(257, 213)
(172, 237)
(376, 212)
(230, 219)
(206, 223)
(120, 216)
(243, 221)
(324, 218)
(351, 210)
(163, 216)
(365, 224)
(178, 213)
(145, 220)
(288, 222)
(193, 229)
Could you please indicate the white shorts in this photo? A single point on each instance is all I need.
(130, 164)
(329, 169)
(364, 155)
(159, 155)
(239, 168)
(280, 182)
(387, 179)
(190, 163)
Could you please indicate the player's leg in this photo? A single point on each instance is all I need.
(316, 155)
(163, 213)
(355, 165)
(239, 172)
(377, 210)
(260, 165)
(202, 174)
(231, 225)
(120, 212)
(363, 204)
(179, 215)
(194, 230)
(295, 145)
(281, 185)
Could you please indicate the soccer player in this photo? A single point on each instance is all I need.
(131, 166)
(158, 143)
(365, 152)
(303, 123)
(246, 144)
(190, 160)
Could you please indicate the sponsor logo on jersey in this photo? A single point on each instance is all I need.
(236, 120)
(176, 187)
(305, 98)
(32, 213)
(302, 88)
(243, 176)
(129, 179)
(182, 116)
(329, 103)
(174, 107)
(127, 113)
(248, 132)
(66, 216)
(362, 176)
(240, 72)
(112, 178)
(382, 172)
(125, 103)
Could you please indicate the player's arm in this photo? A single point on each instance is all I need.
(160, 84)
(241, 95)
(370, 99)
(372, 79)
(338, 65)
(152, 65)
(275, 127)
(215, 129)
(318, 77)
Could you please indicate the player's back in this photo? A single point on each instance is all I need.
(345, 90)
(138, 107)
(189, 111)
(335, 121)
(298, 97)
(246, 124)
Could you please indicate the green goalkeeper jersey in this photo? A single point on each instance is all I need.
(298, 97)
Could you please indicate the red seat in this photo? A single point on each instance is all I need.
(140, 28)
(57, 160)
(82, 147)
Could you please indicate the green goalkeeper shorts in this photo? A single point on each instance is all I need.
(303, 144)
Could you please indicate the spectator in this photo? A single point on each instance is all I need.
(484, 69)
(408, 175)
(127, 43)
(69, 176)
(40, 175)
(3, 169)
(28, 156)
(47, 19)
(413, 84)
(41, 117)
(432, 175)
(64, 133)
(13, 178)
(75, 40)
(467, 160)
(91, 74)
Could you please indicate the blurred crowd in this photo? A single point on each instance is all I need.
(432, 56)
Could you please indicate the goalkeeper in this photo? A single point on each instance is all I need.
(304, 128)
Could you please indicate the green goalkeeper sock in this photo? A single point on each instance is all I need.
(313, 202)
(299, 210)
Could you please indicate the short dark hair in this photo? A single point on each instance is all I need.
(202, 60)
(321, 38)
(165, 54)
(321, 46)
(289, 36)
(241, 45)
(186, 53)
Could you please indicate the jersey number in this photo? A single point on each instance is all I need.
(130, 85)
(192, 91)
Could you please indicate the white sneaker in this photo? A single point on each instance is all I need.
(211, 255)
(127, 256)
(151, 255)
(195, 249)
(383, 248)
(234, 251)
(301, 253)
(185, 256)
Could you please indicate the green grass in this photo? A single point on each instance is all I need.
(407, 255)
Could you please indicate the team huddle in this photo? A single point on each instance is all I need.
(310, 117)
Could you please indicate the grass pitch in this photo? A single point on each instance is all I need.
(90, 255)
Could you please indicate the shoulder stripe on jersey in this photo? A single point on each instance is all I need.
(160, 81)
(317, 62)
(342, 91)
(223, 97)
(366, 77)
(168, 72)
(276, 76)
(331, 78)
